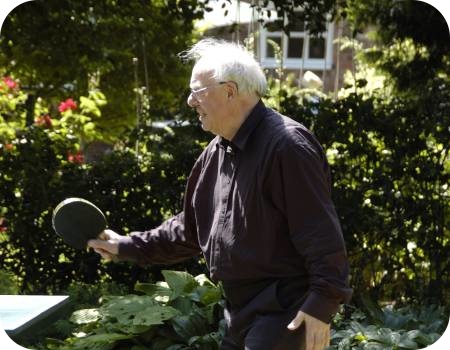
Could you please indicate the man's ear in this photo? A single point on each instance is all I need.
(231, 91)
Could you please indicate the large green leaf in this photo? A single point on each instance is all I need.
(188, 326)
(206, 294)
(178, 347)
(162, 343)
(373, 309)
(183, 304)
(155, 314)
(396, 320)
(103, 341)
(386, 336)
(407, 343)
(209, 341)
(125, 308)
(180, 282)
(160, 292)
(85, 316)
(203, 280)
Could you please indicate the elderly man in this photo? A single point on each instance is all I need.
(258, 206)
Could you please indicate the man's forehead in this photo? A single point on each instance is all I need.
(201, 74)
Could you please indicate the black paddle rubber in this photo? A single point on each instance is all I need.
(77, 220)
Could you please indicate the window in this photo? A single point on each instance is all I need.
(299, 49)
(295, 47)
(317, 48)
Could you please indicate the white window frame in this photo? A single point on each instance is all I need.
(296, 63)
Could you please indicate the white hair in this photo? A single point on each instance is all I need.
(229, 62)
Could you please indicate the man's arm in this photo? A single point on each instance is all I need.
(173, 241)
(167, 244)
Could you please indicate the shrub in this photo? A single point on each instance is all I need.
(390, 169)
(9, 283)
(183, 312)
(43, 162)
(389, 328)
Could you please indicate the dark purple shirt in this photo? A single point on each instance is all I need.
(258, 208)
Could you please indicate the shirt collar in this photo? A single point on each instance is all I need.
(247, 127)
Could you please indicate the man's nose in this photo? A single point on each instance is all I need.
(191, 100)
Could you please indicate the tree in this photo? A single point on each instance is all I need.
(399, 26)
(389, 153)
(62, 48)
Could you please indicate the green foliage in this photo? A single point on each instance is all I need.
(43, 163)
(81, 296)
(411, 39)
(400, 329)
(173, 314)
(9, 284)
(314, 14)
(387, 143)
(389, 162)
(12, 112)
(82, 124)
(170, 315)
(69, 47)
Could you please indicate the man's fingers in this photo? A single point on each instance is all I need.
(98, 244)
(320, 340)
(109, 234)
(110, 246)
(296, 322)
(327, 338)
(104, 254)
(317, 332)
(310, 339)
(103, 236)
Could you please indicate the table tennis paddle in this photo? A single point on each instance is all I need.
(77, 220)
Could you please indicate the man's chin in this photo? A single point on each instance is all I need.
(204, 125)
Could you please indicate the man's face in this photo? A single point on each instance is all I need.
(209, 98)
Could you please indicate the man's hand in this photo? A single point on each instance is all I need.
(107, 244)
(317, 333)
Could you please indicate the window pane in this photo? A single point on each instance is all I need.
(316, 47)
(270, 51)
(295, 47)
(295, 23)
(274, 26)
(297, 26)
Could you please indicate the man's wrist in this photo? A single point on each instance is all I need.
(320, 307)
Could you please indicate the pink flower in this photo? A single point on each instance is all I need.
(10, 82)
(44, 120)
(77, 158)
(68, 104)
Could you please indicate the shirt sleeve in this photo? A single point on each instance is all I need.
(173, 241)
(300, 188)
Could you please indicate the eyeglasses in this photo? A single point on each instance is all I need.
(195, 92)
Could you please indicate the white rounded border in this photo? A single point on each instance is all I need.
(6, 6)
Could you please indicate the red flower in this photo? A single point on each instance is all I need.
(68, 104)
(77, 158)
(44, 120)
(8, 146)
(3, 227)
(10, 82)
